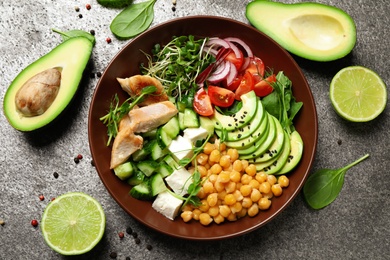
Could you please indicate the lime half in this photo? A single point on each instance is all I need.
(358, 94)
(73, 223)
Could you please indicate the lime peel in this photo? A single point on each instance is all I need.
(358, 94)
(73, 223)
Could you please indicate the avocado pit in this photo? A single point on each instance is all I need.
(319, 32)
(38, 93)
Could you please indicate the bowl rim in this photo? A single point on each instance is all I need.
(111, 190)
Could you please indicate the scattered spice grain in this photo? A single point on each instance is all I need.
(2, 222)
(76, 8)
(80, 16)
(129, 230)
(92, 32)
(55, 174)
(149, 247)
(113, 255)
(108, 40)
(339, 142)
(88, 6)
(135, 234)
(34, 223)
(98, 74)
(92, 163)
(121, 235)
(137, 241)
(41, 197)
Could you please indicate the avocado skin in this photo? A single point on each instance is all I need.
(281, 21)
(72, 57)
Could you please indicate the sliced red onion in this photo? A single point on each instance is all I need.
(245, 64)
(217, 42)
(236, 51)
(245, 46)
(233, 73)
(214, 52)
(220, 73)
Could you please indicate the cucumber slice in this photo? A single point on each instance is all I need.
(191, 118)
(142, 191)
(164, 169)
(163, 139)
(124, 171)
(172, 127)
(157, 184)
(136, 178)
(157, 151)
(147, 167)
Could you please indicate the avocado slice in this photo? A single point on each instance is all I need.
(296, 152)
(313, 31)
(70, 58)
(239, 119)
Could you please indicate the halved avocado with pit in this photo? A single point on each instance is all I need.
(70, 59)
(313, 31)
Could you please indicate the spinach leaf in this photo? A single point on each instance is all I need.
(133, 20)
(115, 3)
(75, 33)
(323, 186)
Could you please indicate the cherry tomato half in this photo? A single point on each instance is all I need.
(256, 66)
(202, 104)
(245, 86)
(236, 61)
(264, 87)
(235, 83)
(221, 97)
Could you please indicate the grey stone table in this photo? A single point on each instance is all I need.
(355, 226)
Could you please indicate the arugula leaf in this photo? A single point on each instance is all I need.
(133, 20)
(75, 33)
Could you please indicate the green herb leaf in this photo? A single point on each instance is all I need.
(75, 33)
(133, 20)
(323, 186)
(115, 3)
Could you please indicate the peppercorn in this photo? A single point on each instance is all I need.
(129, 230)
(34, 223)
(339, 142)
(135, 234)
(79, 156)
(99, 74)
(55, 174)
(149, 247)
(128, 258)
(76, 8)
(80, 16)
(92, 32)
(88, 6)
(137, 241)
(173, 8)
(121, 235)
(108, 40)
(76, 160)
(113, 255)
(2, 222)
(92, 163)
(53, 199)
(41, 197)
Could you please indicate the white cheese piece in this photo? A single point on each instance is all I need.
(195, 134)
(181, 148)
(167, 205)
(179, 181)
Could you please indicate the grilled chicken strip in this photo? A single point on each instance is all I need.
(134, 85)
(125, 144)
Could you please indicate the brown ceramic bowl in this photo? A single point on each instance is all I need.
(126, 63)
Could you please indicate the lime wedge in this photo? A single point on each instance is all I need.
(358, 94)
(73, 223)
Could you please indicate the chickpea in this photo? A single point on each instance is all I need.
(268, 195)
(255, 195)
(214, 156)
(186, 215)
(216, 169)
(213, 211)
(204, 207)
(251, 170)
(208, 148)
(237, 194)
(230, 199)
(213, 178)
(233, 153)
(235, 176)
(264, 203)
(247, 203)
(219, 219)
(246, 190)
(271, 179)
(236, 207)
(232, 217)
(202, 158)
(205, 219)
(237, 166)
(222, 194)
(224, 210)
(219, 186)
(223, 177)
(277, 190)
(245, 163)
(230, 187)
(261, 177)
(242, 213)
(265, 187)
(254, 184)
(283, 181)
(196, 213)
(253, 210)
(225, 161)
(202, 170)
(245, 179)
(201, 194)
(212, 199)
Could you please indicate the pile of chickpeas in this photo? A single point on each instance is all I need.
(231, 188)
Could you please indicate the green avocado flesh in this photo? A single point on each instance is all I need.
(70, 58)
(310, 30)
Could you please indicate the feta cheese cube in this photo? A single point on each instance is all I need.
(167, 205)
(181, 148)
(179, 181)
(195, 134)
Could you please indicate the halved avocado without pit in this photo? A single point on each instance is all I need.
(313, 31)
(42, 90)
